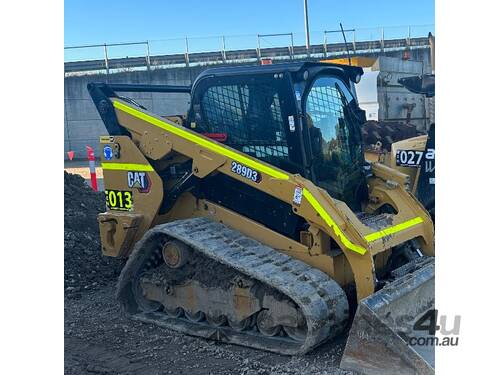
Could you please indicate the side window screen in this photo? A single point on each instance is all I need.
(224, 108)
(251, 117)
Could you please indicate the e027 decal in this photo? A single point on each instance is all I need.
(409, 158)
(246, 172)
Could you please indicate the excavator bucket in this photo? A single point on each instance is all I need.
(382, 339)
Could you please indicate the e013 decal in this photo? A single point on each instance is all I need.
(119, 200)
(246, 172)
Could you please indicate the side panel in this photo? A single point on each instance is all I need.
(134, 192)
(249, 202)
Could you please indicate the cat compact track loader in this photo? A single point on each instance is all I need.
(254, 219)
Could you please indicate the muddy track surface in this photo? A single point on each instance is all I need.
(100, 340)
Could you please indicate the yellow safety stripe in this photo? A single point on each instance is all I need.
(329, 221)
(396, 228)
(127, 167)
(257, 166)
(212, 146)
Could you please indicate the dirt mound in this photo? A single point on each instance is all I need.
(84, 266)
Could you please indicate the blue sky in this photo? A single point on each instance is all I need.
(93, 21)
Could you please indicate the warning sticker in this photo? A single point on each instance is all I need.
(297, 195)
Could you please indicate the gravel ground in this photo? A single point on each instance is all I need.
(100, 340)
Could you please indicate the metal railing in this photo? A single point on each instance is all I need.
(222, 49)
(325, 38)
(261, 36)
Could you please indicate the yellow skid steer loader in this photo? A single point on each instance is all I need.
(254, 219)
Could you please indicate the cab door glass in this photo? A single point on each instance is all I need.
(325, 112)
(335, 144)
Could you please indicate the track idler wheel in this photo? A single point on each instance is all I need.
(175, 312)
(266, 325)
(297, 333)
(176, 254)
(242, 325)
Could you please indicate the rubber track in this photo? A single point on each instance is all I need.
(321, 300)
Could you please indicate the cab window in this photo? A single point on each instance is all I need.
(251, 116)
(335, 137)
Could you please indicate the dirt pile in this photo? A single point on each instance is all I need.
(84, 266)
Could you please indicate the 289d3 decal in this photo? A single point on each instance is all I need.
(246, 172)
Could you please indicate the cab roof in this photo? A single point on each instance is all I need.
(292, 67)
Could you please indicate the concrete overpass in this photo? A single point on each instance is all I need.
(82, 124)
(291, 52)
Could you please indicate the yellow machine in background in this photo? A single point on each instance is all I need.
(360, 61)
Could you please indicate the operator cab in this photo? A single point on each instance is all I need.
(301, 117)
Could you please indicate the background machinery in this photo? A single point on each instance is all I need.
(254, 219)
(412, 155)
(416, 156)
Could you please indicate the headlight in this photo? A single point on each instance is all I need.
(357, 78)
